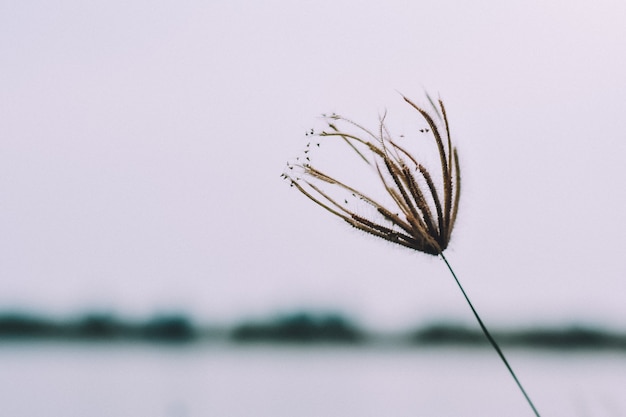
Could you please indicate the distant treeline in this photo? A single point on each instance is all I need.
(300, 328)
(297, 328)
(97, 327)
(570, 337)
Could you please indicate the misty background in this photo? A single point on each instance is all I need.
(141, 147)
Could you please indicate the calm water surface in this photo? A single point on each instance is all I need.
(74, 380)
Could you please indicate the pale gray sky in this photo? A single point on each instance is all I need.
(141, 146)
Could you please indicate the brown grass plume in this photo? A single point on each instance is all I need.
(419, 214)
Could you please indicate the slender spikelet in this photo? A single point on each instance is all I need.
(425, 220)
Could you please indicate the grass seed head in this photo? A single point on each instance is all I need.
(421, 209)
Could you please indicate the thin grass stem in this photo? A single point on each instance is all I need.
(490, 338)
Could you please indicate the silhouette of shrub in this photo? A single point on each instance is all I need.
(301, 328)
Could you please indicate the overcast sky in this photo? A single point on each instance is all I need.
(141, 147)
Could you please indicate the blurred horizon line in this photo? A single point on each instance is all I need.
(300, 327)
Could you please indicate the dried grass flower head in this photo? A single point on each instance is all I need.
(417, 208)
